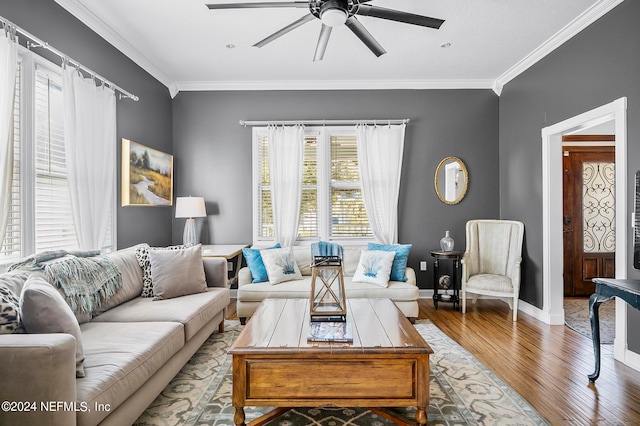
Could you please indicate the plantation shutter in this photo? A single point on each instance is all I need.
(308, 222)
(330, 173)
(53, 218)
(265, 214)
(348, 213)
(308, 225)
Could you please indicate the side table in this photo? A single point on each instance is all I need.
(454, 257)
(229, 252)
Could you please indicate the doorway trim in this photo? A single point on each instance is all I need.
(552, 259)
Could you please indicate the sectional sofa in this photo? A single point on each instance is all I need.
(133, 346)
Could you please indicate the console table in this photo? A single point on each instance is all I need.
(607, 289)
(229, 252)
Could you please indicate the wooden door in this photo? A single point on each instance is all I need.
(589, 217)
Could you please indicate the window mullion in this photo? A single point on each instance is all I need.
(324, 182)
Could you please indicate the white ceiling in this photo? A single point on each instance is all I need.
(183, 44)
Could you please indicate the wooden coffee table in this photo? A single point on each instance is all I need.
(274, 365)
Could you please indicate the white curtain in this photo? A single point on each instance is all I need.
(380, 150)
(286, 145)
(90, 146)
(8, 69)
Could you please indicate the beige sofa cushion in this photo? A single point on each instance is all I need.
(127, 263)
(194, 311)
(121, 357)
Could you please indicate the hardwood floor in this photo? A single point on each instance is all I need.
(547, 365)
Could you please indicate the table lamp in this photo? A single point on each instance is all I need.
(190, 207)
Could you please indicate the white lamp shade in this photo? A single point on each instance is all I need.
(190, 207)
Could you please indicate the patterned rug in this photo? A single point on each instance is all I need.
(462, 392)
(576, 317)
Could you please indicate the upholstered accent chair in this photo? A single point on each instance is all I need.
(491, 262)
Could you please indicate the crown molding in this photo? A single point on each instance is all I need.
(596, 11)
(585, 19)
(77, 9)
(189, 86)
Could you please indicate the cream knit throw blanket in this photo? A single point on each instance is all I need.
(86, 279)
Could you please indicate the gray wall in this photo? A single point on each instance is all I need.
(147, 121)
(213, 155)
(597, 66)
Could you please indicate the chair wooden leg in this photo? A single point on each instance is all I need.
(463, 295)
(475, 299)
(515, 308)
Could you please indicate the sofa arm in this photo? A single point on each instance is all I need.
(410, 273)
(215, 271)
(38, 376)
(244, 276)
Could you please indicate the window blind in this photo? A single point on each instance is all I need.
(308, 221)
(330, 173)
(54, 227)
(348, 213)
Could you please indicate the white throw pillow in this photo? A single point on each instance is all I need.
(374, 267)
(280, 264)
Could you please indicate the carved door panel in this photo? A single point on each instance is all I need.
(589, 217)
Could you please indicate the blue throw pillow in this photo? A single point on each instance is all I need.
(399, 262)
(255, 263)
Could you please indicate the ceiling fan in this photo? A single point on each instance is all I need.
(334, 13)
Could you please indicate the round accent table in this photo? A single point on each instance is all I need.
(445, 282)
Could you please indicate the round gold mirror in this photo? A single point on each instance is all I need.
(451, 180)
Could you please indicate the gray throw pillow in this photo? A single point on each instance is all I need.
(177, 273)
(43, 310)
(142, 254)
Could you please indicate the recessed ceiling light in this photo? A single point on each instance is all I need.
(230, 46)
(445, 45)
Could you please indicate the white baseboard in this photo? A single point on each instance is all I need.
(425, 294)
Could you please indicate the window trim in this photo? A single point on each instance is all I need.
(323, 133)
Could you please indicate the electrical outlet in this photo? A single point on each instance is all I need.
(229, 266)
(423, 265)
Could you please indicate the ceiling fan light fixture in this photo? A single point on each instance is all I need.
(334, 17)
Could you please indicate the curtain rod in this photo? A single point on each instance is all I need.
(246, 123)
(34, 41)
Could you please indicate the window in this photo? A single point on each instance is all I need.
(331, 206)
(40, 217)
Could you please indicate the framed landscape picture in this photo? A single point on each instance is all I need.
(147, 176)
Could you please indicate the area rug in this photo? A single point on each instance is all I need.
(576, 317)
(462, 392)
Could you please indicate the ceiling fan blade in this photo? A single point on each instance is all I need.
(259, 5)
(366, 37)
(323, 40)
(398, 16)
(283, 31)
